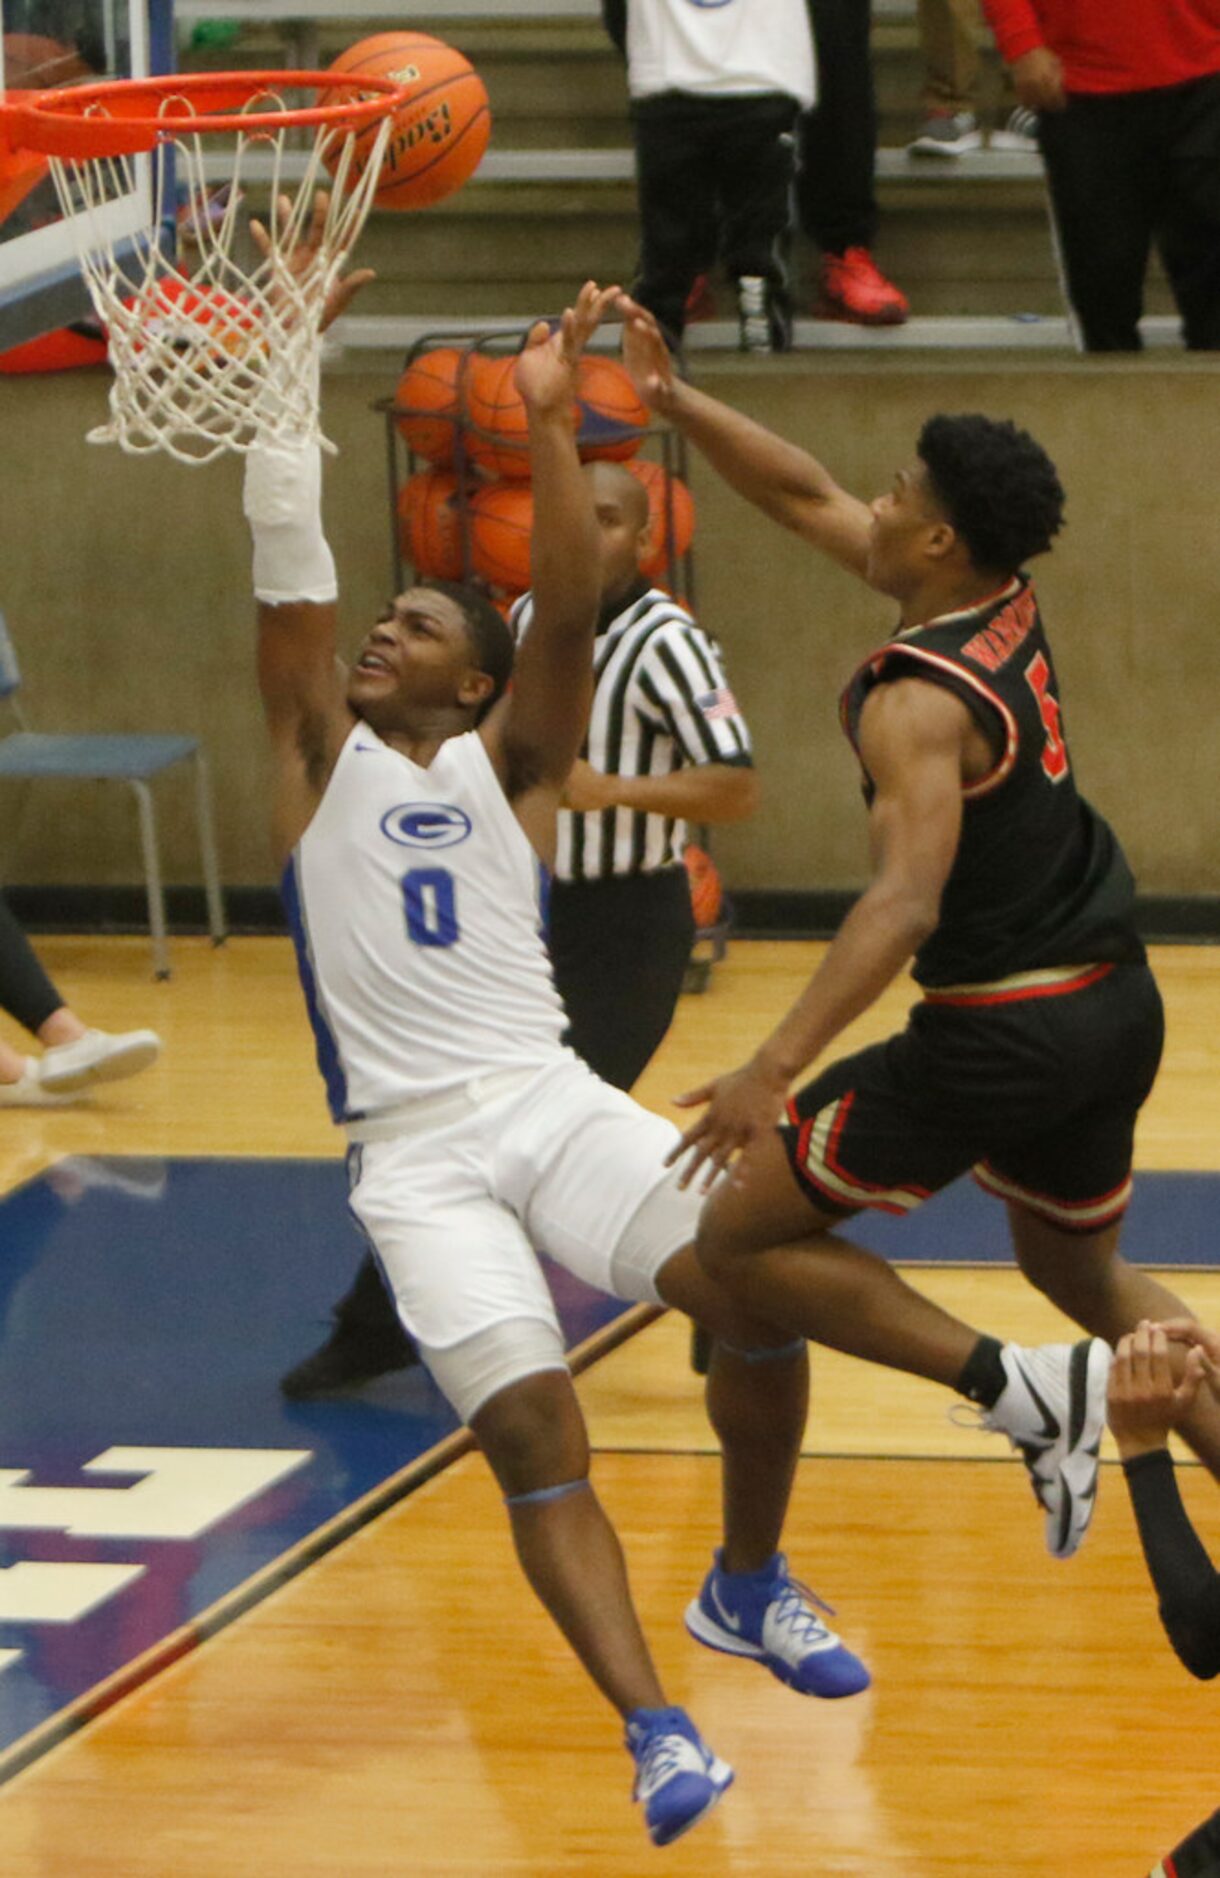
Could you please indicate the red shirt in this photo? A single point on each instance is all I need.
(1113, 45)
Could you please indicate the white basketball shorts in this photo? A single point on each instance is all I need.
(456, 1201)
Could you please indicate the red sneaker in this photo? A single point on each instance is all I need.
(852, 287)
(701, 300)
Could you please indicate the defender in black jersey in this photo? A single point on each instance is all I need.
(1040, 1029)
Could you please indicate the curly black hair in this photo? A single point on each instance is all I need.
(491, 642)
(997, 486)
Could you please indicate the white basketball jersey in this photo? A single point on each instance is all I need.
(720, 48)
(415, 901)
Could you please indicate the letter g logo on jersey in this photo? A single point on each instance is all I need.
(426, 825)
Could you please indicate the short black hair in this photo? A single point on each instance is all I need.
(997, 486)
(491, 643)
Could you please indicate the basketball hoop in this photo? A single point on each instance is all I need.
(210, 353)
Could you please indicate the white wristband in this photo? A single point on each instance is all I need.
(283, 505)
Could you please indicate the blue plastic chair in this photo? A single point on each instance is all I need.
(27, 755)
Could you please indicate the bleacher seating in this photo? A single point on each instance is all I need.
(967, 238)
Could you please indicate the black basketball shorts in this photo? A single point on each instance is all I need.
(1034, 1083)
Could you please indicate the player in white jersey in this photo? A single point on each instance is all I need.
(415, 799)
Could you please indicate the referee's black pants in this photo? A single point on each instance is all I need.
(619, 949)
(1125, 170)
(713, 175)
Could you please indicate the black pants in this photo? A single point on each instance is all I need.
(714, 176)
(1126, 170)
(26, 992)
(836, 198)
(619, 949)
(1199, 1855)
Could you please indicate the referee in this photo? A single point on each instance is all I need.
(666, 746)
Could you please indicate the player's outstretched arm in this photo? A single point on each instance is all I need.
(1148, 1396)
(535, 733)
(785, 482)
(300, 679)
(301, 682)
(911, 739)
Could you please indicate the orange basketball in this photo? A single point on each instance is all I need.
(35, 63)
(430, 524)
(664, 491)
(428, 397)
(495, 407)
(613, 417)
(438, 136)
(501, 522)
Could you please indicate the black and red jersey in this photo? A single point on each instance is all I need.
(1039, 879)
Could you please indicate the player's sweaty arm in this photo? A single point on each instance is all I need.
(911, 742)
(786, 483)
(535, 733)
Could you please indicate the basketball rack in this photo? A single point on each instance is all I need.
(402, 461)
(213, 328)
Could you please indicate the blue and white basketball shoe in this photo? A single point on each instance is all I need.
(677, 1777)
(768, 1615)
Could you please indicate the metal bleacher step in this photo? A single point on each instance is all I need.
(360, 334)
(617, 166)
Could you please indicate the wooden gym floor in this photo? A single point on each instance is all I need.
(402, 1706)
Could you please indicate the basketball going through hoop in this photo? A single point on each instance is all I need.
(438, 136)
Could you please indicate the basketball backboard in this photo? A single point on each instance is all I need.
(46, 43)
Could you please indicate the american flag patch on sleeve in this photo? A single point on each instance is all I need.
(714, 704)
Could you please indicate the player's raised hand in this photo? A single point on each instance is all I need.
(545, 372)
(646, 355)
(741, 1106)
(295, 260)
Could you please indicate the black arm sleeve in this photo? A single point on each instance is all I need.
(1187, 1584)
(614, 19)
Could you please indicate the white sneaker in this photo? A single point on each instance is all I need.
(27, 1092)
(1019, 135)
(947, 134)
(97, 1057)
(754, 327)
(1053, 1411)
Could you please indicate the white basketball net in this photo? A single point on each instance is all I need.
(220, 346)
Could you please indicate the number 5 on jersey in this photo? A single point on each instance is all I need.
(1054, 753)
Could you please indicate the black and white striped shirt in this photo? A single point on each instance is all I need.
(661, 703)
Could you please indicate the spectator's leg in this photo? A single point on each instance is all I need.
(1102, 172)
(1188, 233)
(755, 169)
(677, 204)
(947, 36)
(26, 992)
(836, 196)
